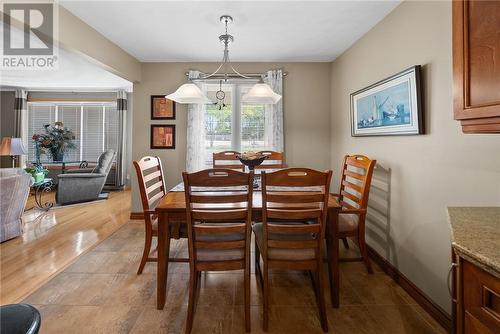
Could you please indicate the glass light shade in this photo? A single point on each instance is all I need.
(189, 93)
(12, 146)
(261, 93)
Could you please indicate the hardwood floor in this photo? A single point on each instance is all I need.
(100, 293)
(52, 240)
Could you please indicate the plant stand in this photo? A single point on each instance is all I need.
(40, 188)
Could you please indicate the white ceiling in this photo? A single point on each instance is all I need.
(263, 30)
(73, 72)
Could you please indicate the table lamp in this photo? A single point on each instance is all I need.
(12, 147)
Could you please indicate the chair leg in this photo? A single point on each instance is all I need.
(265, 302)
(332, 246)
(247, 297)
(258, 270)
(312, 276)
(147, 249)
(257, 256)
(193, 282)
(364, 252)
(346, 244)
(320, 295)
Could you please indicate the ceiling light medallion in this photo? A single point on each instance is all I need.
(260, 93)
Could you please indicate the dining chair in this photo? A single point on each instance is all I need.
(228, 160)
(219, 228)
(274, 160)
(353, 195)
(152, 188)
(289, 197)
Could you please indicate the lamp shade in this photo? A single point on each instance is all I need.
(261, 93)
(12, 146)
(189, 93)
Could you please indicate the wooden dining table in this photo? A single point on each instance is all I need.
(171, 209)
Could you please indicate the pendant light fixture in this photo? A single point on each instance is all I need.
(189, 93)
(260, 93)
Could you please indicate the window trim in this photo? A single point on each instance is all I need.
(236, 89)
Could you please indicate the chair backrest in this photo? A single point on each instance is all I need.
(275, 160)
(151, 181)
(227, 160)
(219, 218)
(295, 194)
(357, 173)
(105, 162)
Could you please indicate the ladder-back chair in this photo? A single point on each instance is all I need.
(227, 160)
(274, 160)
(290, 197)
(219, 228)
(152, 188)
(355, 184)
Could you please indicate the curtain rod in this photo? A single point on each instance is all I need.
(71, 100)
(234, 75)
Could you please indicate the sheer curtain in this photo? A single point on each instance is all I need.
(195, 153)
(273, 133)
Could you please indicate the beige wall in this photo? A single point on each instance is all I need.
(76, 35)
(429, 172)
(306, 101)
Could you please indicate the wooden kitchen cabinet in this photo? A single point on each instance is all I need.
(476, 65)
(477, 293)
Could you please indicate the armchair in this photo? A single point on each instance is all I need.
(84, 185)
(14, 191)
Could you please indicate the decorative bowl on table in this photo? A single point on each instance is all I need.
(251, 159)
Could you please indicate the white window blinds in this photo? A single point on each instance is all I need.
(95, 125)
(38, 116)
(112, 128)
(92, 132)
(70, 116)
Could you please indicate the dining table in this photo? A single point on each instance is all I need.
(171, 210)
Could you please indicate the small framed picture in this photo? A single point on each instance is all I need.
(162, 108)
(162, 136)
(389, 107)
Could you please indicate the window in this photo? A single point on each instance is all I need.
(237, 126)
(95, 125)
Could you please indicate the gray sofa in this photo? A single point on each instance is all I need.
(83, 185)
(14, 191)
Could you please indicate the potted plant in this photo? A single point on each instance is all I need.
(56, 140)
(38, 172)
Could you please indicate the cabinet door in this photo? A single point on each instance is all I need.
(476, 65)
(474, 326)
(479, 300)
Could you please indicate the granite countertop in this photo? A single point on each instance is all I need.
(475, 233)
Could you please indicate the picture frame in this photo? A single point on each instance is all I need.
(390, 107)
(163, 136)
(162, 108)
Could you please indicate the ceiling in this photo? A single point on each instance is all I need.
(73, 72)
(263, 30)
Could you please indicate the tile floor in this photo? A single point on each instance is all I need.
(101, 293)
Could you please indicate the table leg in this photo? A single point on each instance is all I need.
(162, 264)
(333, 256)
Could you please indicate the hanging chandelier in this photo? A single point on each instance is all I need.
(260, 93)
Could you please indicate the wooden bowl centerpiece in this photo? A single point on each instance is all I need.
(251, 159)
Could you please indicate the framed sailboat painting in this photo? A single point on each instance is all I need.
(389, 107)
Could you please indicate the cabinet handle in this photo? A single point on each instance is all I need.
(448, 281)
